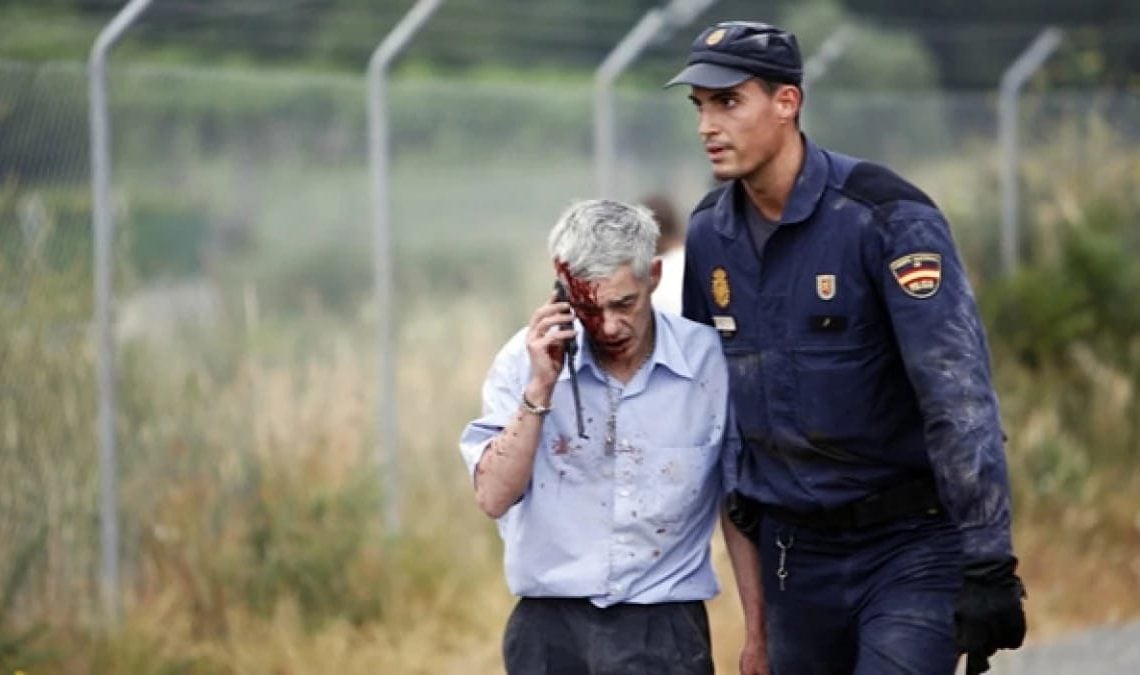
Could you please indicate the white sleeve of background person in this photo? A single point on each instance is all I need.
(667, 297)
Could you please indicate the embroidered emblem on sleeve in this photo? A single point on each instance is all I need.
(825, 286)
(918, 274)
(721, 292)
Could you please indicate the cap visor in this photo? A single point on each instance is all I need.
(709, 76)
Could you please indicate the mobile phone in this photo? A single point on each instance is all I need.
(570, 348)
(560, 294)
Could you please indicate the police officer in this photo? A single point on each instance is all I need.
(860, 375)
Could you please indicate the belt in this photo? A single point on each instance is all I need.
(913, 498)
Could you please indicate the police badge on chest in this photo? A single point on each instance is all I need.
(722, 296)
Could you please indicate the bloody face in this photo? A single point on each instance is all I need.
(616, 312)
(583, 293)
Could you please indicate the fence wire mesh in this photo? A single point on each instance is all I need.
(243, 274)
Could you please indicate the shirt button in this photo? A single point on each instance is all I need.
(624, 492)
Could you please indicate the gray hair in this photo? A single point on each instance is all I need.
(595, 237)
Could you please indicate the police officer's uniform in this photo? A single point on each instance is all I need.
(861, 381)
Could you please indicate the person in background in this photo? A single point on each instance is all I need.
(606, 526)
(873, 475)
(671, 250)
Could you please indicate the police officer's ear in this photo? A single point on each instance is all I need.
(787, 99)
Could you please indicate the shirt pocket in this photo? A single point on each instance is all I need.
(837, 389)
(676, 478)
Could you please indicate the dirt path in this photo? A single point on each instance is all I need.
(1109, 650)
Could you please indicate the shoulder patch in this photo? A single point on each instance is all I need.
(877, 185)
(919, 274)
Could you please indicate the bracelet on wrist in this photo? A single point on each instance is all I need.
(533, 409)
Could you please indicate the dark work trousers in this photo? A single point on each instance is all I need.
(570, 636)
(876, 601)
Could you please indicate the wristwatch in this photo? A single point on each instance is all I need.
(533, 409)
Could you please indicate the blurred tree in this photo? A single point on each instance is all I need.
(973, 48)
(262, 29)
(475, 33)
(876, 57)
(966, 49)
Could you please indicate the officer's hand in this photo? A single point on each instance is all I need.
(988, 614)
(550, 325)
(754, 659)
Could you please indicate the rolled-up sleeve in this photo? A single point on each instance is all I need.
(502, 394)
(731, 447)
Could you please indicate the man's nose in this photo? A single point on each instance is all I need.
(705, 126)
(611, 323)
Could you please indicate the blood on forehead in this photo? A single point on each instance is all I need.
(582, 291)
(583, 296)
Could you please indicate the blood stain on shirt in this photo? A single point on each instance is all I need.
(561, 445)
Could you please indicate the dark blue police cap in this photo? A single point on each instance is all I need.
(729, 53)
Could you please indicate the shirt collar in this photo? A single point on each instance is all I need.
(806, 193)
(666, 352)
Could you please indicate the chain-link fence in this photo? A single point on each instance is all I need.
(244, 249)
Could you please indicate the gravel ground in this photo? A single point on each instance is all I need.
(1109, 650)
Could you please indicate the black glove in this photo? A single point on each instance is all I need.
(744, 512)
(988, 615)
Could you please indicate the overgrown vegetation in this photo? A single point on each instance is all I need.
(253, 538)
(1066, 345)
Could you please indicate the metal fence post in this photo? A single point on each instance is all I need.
(387, 434)
(816, 66)
(831, 49)
(1012, 80)
(104, 235)
(675, 15)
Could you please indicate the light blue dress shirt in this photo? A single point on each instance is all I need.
(627, 521)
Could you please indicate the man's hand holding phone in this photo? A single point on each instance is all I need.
(551, 325)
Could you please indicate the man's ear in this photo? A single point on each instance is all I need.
(788, 99)
(654, 273)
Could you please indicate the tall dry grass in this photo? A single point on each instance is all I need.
(267, 555)
(428, 599)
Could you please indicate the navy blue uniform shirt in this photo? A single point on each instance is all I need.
(857, 359)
